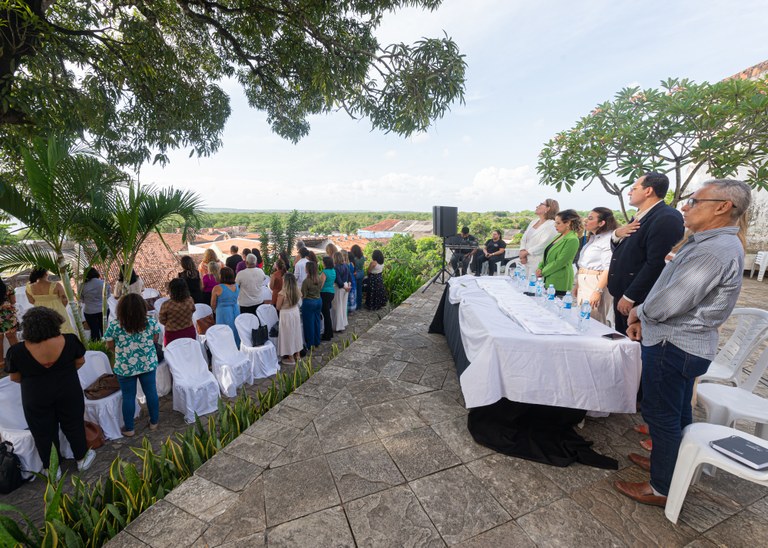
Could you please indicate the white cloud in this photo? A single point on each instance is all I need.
(391, 153)
(496, 187)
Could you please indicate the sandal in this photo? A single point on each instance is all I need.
(153, 427)
(128, 433)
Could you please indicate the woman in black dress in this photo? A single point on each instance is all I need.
(377, 294)
(46, 365)
(192, 277)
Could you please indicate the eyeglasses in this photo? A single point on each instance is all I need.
(691, 202)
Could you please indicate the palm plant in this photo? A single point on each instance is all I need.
(63, 185)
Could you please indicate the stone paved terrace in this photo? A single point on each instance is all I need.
(374, 451)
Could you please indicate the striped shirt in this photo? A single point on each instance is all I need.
(695, 293)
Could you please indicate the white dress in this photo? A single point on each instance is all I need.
(290, 336)
(535, 241)
(339, 310)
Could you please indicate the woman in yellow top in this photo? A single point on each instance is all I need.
(557, 266)
(43, 292)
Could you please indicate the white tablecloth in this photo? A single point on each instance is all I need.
(582, 371)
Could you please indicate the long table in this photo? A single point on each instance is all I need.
(522, 384)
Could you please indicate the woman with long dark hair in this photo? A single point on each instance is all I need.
(557, 265)
(135, 284)
(43, 292)
(132, 337)
(224, 301)
(92, 299)
(192, 277)
(312, 305)
(358, 260)
(594, 261)
(377, 293)
(289, 340)
(328, 280)
(176, 313)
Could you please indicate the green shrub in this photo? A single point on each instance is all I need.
(101, 346)
(401, 282)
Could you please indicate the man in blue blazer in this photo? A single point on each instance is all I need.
(641, 246)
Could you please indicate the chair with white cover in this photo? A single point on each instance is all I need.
(202, 310)
(106, 412)
(195, 390)
(263, 358)
(163, 382)
(727, 404)
(266, 295)
(695, 452)
(268, 315)
(159, 302)
(14, 428)
(112, 305)
(761, 262)
(149, 293)
(230, 367)
(751, 330)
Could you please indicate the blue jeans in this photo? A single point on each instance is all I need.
(668, 377)
(128, 388)
(359, 291)
(310, 315)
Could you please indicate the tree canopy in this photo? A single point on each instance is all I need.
(137, 78)
(678, 129)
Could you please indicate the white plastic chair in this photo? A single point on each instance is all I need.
(761, 261)
(195, 390)
(106, 412)
(751, 330)
(695, 451)
(268, 315)
(230, 367)
(727, 404)
(14, 428)
(263, 358)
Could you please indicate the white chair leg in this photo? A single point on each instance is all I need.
(685, 470)
(761, 272)
(761, 430)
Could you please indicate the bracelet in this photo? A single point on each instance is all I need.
(599, 290)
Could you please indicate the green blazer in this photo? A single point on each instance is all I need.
(557, 269)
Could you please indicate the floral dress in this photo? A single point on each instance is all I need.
(134, 352)
(8, 320)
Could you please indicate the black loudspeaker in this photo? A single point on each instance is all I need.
(444, 219)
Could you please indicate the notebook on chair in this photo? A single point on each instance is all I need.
(746, 452)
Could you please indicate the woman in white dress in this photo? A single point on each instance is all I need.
(289, 338)
(594, 261)
(539, 234)
(343, 282)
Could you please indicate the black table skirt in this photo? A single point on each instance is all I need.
(540, 433)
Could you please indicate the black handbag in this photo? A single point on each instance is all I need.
(260, 335)
(275, 331)
(10, 469)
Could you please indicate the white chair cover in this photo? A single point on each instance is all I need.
(22, 302)
(268, 314)
(163, 383)
(112, 305)
(231, 368)
(263, 359)
(149, 293)
(195, 390)
(13, 428)
(266, 294)
(106, 412)
(201, 311)
(159, 302)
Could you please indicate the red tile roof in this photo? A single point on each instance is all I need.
(154, 263)
(346, 242)
(381, 226)
(752, 72)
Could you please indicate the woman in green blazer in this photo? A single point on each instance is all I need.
(557, 266)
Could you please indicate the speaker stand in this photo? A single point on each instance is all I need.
(441, 274)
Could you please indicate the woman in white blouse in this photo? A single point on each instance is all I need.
(538, 235)
(593, 263)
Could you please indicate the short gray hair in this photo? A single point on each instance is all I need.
(251, 259)
(738, 193)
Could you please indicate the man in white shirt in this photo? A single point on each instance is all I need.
(300, 268)
(251, 281)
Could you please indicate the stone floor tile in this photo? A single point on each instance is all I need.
(362, 470)
(434, 407)
(202, 498)
(392, 417)
(303, 447)
(509, 535)
(341, 425)
(744, 526)
(392, 369)
(451, 496)
(328, 528)
(703, 510)
(635, 524)
(272, 431)
(740, 491)
(228, 471)
(455, 434)
(760, 508)
(420, 452)
(308, 404)
(393, 518)
(298, 489)
(433, 379)
(316, 390)
(164, 524)
(517, 485)
(565, 523)
(243, 519)
(126, 540)
(412, 372)
(335, 377)
(375, 391)
(253, 450)
(574, 477)
(257, 540)
(286, 414)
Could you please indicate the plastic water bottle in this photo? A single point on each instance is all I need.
(551, 295)
(532, 284)
(584, 313)
(539, 288)
(567, 303)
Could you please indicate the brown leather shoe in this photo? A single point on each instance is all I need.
(641, 461)
(640, 492)
(647, 444)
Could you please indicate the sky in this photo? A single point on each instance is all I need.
(534, 68)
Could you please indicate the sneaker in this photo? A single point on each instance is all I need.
(153, 427)
(128, 433)
(85, 463)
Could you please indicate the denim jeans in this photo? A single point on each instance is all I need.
(668, 377)
(359, 290)
(310, 315)
(128, 388)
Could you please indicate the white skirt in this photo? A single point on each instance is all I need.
(290, 337)
(339, 311)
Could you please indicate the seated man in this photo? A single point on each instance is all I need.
(461, 254)
(494, 251)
